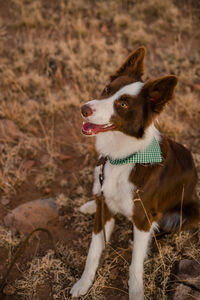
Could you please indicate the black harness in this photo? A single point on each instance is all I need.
(102, 161)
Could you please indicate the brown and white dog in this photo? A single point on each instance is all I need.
(150, 195)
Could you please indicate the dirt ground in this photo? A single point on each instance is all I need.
(54, 56)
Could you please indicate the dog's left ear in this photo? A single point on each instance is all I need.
(158, 92)
(132, 66)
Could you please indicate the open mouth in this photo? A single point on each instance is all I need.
(92, 129)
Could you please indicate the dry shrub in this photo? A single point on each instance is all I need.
(40, 271)
(7, 239)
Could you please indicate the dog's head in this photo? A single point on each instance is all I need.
(127, 104)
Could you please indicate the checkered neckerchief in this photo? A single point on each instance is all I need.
(152, 154)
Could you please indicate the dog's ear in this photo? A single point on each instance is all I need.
(158, 92)
(132, 66)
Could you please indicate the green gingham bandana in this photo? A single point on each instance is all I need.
(152, 154)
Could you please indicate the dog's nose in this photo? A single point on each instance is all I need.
(86, 110)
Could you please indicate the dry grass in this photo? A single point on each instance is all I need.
(40, 271)
(56, 55)
(7, 239)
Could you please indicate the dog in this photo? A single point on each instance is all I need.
(141, 174)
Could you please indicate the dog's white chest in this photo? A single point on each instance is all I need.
(117, 189)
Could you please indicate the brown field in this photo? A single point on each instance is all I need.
(54, 56)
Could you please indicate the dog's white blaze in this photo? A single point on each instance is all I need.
(96, 247)
(104, 109)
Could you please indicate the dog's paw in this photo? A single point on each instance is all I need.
(80, 288)
(136, 293)
(89, 207)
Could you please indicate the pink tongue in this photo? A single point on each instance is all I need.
(89, 128)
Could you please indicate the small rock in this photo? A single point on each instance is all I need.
(9, 290)
(184, 292)
(31, 215)
(189, 266)
(5, 201)
(189, 272)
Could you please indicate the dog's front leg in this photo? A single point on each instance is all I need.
(95, 251)
(140, 247)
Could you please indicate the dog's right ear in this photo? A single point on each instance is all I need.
(157, 92)
(132, 66)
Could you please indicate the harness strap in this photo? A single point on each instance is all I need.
(103, 218)
(102, 161)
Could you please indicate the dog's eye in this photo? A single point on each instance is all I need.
(124, 104)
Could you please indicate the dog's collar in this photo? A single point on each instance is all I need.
(151, 155)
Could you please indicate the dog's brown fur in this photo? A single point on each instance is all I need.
(167, 190)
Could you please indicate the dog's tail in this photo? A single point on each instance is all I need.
(178, 219)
